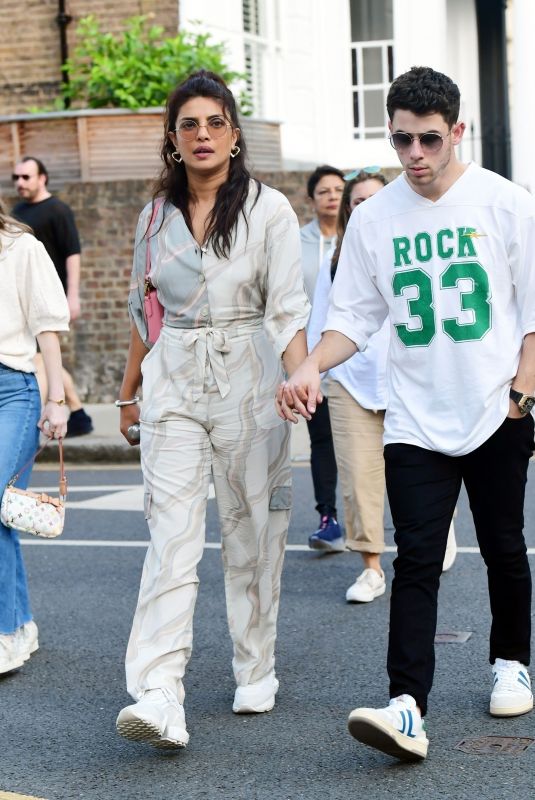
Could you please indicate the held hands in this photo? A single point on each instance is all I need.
(53, 420)
(300, 393)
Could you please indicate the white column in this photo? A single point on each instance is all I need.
(521, 87)
(420, 35)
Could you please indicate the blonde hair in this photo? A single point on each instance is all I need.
(9, 225)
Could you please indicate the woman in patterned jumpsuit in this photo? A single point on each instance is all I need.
(225, 260)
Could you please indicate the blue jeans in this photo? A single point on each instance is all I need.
(20, 408)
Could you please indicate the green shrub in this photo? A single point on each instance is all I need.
(138, 68)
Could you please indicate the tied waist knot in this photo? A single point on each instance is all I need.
(209, 346)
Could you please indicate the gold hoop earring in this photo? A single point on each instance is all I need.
(234, 152)
(174, 157)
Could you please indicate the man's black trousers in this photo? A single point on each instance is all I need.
(423, 487)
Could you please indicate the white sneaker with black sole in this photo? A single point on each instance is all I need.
(367, 587)
(397, 730)
(511, 693)
(255, 698)
(157, 719)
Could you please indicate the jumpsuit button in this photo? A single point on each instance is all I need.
(205, 311)
(201, 278)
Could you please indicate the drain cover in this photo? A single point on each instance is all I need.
(452, 636)
(485, 745)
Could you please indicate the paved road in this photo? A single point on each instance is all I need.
(57, 736)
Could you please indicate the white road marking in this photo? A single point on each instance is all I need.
(112, 498)
(291, 548)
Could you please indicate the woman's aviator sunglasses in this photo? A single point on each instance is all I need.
(216, 128)
(430, 142)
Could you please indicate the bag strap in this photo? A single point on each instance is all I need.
(62, 476)
(157, 205)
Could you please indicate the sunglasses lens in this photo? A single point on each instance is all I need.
(432, 142)
(401, 141)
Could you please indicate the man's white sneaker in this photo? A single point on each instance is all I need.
(511, 694)
(397, 729)
(157, 718)
(367, 587)
(451, 550)
(27, 639)
(256, 697)
(10, 656)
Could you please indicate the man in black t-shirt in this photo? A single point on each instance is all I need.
(52, 222)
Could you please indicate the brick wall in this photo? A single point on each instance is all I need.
(106, 215)
(30, 50)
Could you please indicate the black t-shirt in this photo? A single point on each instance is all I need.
(52, 222)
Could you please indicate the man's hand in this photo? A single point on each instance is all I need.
(300, 393)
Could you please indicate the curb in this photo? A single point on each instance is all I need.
(97, 450)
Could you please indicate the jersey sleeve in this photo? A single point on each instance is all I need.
(357, 309)
(523, 271)
(287, 306)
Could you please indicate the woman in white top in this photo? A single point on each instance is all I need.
(357, 400)
(225, 261)
(32, 306)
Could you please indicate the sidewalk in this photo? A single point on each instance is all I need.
(106, 445)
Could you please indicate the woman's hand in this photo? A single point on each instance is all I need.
(53, 420)
(129, 416)
(300, 393)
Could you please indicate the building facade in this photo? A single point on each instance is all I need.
(323, 68)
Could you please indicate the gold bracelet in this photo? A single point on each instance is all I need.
(59, 402)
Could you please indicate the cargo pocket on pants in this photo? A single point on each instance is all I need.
(147, 503)
(281, 498)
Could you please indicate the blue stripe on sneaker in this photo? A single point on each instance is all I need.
(409, 732)
(523, 680)
(403, 722)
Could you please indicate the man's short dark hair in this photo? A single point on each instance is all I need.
(41, 169)
(318, 174)
(422, 90)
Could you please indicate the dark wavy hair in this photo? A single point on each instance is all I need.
(315, 177)
(344, 212)
(422, 90)
(173, 181)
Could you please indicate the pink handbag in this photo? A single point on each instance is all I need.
(153, 307)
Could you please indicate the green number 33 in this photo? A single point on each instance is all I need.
(476, 300)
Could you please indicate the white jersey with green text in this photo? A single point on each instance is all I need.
(457, 279)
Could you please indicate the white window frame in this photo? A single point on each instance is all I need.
(262, 52)
(363, 131)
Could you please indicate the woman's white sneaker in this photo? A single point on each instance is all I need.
(397, 729)
(367, 587)
(10, 656)
(27, 639)
(157, 718)
(255, 698)
(511, 693)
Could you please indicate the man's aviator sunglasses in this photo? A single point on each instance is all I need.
(22, 177)
(430, 142)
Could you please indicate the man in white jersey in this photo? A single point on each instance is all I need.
(447, 252)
